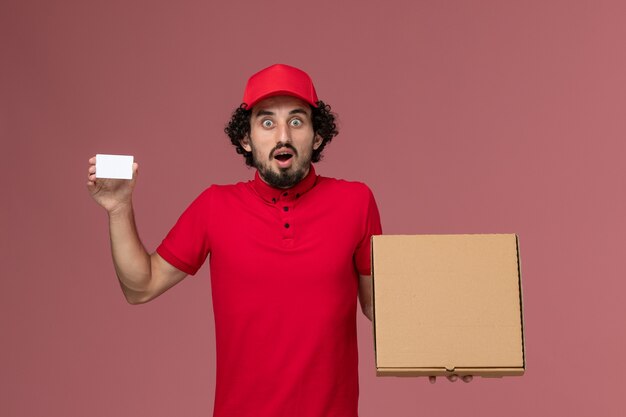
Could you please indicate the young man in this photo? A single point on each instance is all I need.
(289, 252)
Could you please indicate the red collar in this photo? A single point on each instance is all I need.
(272, 195)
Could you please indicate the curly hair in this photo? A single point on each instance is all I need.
(324, 126)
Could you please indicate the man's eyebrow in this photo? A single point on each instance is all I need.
(269, 113)
(264, 113)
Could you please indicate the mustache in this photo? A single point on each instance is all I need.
(281, 145)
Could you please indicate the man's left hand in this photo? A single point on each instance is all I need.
(452, 378)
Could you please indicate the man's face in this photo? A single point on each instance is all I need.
(281, 140)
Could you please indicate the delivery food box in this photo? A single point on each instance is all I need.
(448, 304)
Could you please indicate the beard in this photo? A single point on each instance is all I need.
(284, 178)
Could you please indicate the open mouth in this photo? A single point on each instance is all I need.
(283, 156)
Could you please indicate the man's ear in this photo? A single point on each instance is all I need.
(317, 142)
(245, 143)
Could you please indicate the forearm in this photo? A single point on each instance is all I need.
(367, 309)
(365, 296)
(130, 258)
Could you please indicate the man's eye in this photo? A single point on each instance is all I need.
(267, 123)
(296, 122)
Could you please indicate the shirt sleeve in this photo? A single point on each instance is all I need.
(187, 244)
(371, 227)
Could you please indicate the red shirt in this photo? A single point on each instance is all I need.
(284, 276)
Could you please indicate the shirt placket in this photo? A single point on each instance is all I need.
(285, 206)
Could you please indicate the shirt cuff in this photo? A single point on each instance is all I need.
(175, 261)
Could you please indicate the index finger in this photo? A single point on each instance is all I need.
(92, 160)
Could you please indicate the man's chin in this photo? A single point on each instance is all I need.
(284, 178)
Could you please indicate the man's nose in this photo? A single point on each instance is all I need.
(284, 134)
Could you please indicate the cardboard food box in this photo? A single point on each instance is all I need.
(448, 304)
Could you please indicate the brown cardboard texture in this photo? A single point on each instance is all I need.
(448, 304)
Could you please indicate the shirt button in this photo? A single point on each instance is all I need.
(285, 208)
(285, 194)
(286, 225)
(273, 200)
(298, 195)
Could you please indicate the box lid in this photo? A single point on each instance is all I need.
(448, 303)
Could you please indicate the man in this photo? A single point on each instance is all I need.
(289, 251)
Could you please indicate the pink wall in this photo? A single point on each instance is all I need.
(463, 117)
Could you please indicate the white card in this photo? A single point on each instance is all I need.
(114, 166)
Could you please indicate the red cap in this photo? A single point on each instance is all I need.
(279, 80)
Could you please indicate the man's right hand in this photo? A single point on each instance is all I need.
(112, 194)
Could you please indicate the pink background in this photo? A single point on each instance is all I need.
(462, 116)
